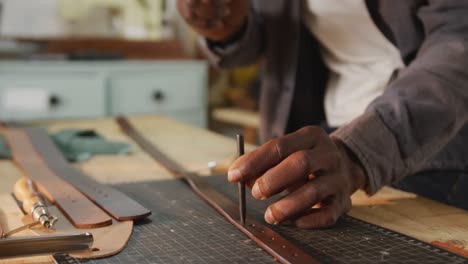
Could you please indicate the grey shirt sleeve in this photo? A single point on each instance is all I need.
(423, 109)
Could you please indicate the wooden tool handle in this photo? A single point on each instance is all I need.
(26, 192)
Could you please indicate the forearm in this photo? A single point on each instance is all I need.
(417, 116)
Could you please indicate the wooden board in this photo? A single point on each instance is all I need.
(394, 209)
(237, 116)
(423, 219)
(194, 148)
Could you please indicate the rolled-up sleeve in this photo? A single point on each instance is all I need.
(424, 108)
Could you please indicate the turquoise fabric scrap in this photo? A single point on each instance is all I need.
(4, 150)
(79, 145)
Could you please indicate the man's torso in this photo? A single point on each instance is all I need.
(359, 57)
(288, 77)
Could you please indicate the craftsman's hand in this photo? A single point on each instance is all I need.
(216, 20)
(318, 173)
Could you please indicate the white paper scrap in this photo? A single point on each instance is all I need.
(25, 100)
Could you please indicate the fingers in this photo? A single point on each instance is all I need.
(301, 200)
(325, 216)
(250, 183)
(299, 167)
(256, 163)
(293, 187)
(309, 165)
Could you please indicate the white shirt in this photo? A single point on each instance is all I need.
(359, 57)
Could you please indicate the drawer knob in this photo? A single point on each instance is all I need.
(54, 101)
(158, 96)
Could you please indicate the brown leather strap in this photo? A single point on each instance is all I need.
(74, 205)
(115, 203)
(280, 248)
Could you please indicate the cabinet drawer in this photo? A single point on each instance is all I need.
(158, 91)
(47, 95)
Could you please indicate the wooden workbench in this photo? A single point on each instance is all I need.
(194, 148)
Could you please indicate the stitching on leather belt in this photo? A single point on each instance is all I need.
(74, 205)
(114, 202)
(280, 248)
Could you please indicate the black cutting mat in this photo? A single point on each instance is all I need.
(351, 240)
(184, 229)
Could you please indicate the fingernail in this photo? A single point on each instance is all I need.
(256, 193)
(234, 175)
(269, 218)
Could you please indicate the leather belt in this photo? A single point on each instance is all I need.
(114, 202)
(272, 242)
(74, 205)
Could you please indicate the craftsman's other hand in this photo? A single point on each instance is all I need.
(216, 20)
(318, 174)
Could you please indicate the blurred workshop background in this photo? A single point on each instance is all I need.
(64, 59)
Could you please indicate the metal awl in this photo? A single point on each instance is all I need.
(241, 184)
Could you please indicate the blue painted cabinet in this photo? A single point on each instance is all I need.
(64, 95)
(49, 90)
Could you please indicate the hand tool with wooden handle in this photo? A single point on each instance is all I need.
(26, 191)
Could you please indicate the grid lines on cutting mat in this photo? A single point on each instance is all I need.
(184, 229)
(351, 240)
